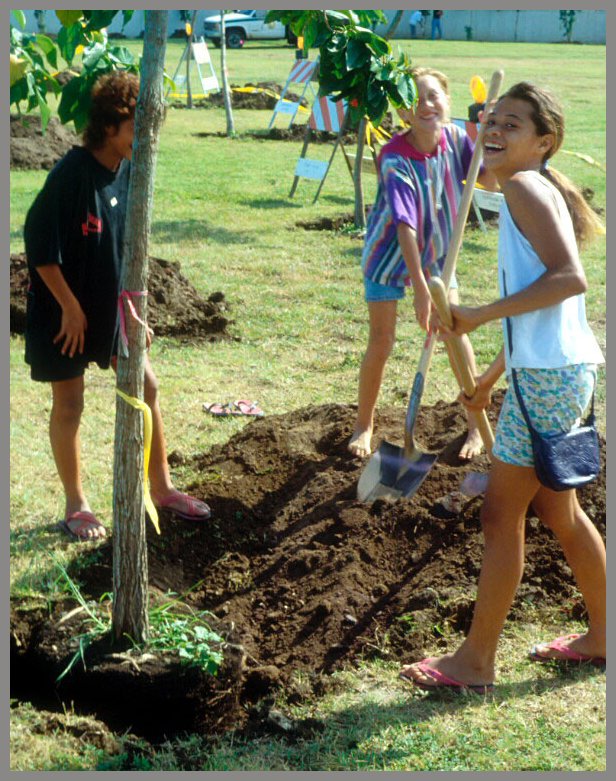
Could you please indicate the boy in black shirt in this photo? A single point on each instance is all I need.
(74, 235)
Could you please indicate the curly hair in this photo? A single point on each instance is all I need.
(112, 101)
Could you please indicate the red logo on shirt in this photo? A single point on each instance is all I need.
(92, 225)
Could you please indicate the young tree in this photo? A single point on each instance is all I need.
(226, 92)
(356, 65)
(130, 571)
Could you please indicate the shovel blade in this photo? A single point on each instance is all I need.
(390, 474)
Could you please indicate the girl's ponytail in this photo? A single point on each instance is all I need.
(586, 223)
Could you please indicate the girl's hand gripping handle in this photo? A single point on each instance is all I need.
(469, 386)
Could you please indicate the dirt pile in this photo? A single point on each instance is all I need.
(31, 149)
(175, 308)
(311, 578)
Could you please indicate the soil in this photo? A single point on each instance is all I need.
(175, 308)
(300, 575)
(30, 149)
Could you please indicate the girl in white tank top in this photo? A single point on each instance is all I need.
(555, 354)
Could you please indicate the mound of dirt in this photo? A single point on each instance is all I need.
(310, 577)
(33, 149)
(175, 308)
(265, 96)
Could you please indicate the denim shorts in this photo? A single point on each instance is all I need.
(555, 400)
(374, 291)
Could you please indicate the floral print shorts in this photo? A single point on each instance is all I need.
(555, 400)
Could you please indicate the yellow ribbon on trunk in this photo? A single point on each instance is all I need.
(147, 437)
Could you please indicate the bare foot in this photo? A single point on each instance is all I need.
(360, 443)
(473, 445)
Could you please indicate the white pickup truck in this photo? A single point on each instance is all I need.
(241, 26)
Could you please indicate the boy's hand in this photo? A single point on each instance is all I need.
(422, 303)
(72, 330)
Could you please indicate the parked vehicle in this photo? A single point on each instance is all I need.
(241, 26)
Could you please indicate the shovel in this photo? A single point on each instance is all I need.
(394, 472)
(458, 356)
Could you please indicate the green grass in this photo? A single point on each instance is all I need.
(222, 210)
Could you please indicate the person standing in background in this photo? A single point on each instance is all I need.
(437, 26)
(415, 19)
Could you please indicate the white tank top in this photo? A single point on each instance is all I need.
(554, 336)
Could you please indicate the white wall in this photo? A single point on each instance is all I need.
(526, 26)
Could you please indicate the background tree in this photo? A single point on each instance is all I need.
(40, 21)
(226, 92)
(356, 65)
(567, 20)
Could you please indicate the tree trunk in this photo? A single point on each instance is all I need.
(189, 40)
(226, 92)
(130, 570)
(394, 24)
(360, 212)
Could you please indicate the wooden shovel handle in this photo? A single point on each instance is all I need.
(467, 193)
(469, 386)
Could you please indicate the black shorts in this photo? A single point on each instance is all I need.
(47, 364)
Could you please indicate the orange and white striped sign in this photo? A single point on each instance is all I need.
(328, 114)
(302, 72)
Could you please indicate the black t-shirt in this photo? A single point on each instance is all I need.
(77, 221)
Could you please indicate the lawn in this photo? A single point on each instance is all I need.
(222, 210)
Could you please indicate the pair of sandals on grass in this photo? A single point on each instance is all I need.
(238, 407)
(84, 525)
(558, 651)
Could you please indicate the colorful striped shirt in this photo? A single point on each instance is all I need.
(421, 190)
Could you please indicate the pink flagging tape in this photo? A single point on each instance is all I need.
(127, 295)
(327, 114)
(302, 71)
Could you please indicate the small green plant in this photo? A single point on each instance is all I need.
(408, 622)
(469, 33)
(188, 634)
(98, 625)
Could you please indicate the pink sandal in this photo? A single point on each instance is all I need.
(569, 655)
(81, 522)
(184, 506)
(442, 681)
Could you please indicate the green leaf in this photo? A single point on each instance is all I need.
(92, 55)
(69, 38)
(44, 109)
(68, 18)
(311, 31)
(100, 19)
(48, 48)
(357, 54)
(122, 55)
(126, 17)
(20, 17)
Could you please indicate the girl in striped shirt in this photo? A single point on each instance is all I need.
(421, 174)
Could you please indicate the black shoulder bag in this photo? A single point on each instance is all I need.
(565, 460)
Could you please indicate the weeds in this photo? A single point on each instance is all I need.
(172, 629)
